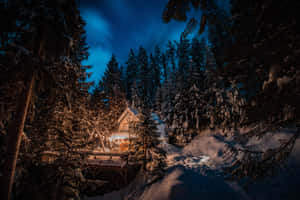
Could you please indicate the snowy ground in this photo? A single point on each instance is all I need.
(195, 172)
(192, 174)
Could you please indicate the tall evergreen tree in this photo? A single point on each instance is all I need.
(43, 44)
(114, 90)
(170, 54)
(183, 53)
(165, 67)
(144, 79)
(154, 76)
(197, 65)
(158, 67)
(146, 148)
(152, 73)
(131, 74)
(112, 78)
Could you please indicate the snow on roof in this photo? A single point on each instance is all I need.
(156, 118)
(133, 110)
(128, 109)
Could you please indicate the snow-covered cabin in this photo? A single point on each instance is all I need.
(120, 137)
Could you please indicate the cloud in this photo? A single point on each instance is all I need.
(97, 28)
(119, 8)
(99, 36)
(159, 34)
(98, 58)
(116, 26)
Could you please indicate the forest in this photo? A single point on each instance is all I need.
(212, 115)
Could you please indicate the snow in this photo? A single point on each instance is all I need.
(118, 137)
(209, 145)
(269, 140)
(156, 118)
(162, 190)
(161, 127)
(195, 171)
(133, 110)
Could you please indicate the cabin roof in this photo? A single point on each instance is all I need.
(126, 111)
(135, 113)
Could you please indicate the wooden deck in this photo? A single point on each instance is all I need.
(107, 159)
(114, 159)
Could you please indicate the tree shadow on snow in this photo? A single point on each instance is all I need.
(194, 186)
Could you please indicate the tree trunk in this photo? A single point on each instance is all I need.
(14, 138)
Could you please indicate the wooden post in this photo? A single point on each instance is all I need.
(14, 138)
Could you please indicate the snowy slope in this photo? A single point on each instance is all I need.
(195, 172)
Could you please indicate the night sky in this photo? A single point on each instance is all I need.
(115, 26)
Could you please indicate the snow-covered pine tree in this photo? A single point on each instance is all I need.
(114, 89)
(44, 45)
(165, 68)
(158, 101)
(158, 67)
(168, 86)
(99, 118)
(170, 54)
(183, 54)
(144, 81)
(146, 148)
(152, 77)
(197, 64)
(188, 116)
(131, 74)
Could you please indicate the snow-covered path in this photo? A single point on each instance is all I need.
(183, 183)
(190, 177)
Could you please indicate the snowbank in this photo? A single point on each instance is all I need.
(285, 183)
(269, 140)
(162, 190)
(182, 183)
(194, 172)
(213, 146)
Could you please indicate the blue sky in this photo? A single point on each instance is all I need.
(115, 26)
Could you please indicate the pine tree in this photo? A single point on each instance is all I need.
(268, 59)
(43, 39)
(170, 54)
(183, 53)
(157, 68)
(168, 88)
(146, 147)
(131, 73)
(100, 117)
(112, 78)
(197, 66)
(154, 77)
(114, 90)
(165, 67)
(144, 81)
(137, 102)
(158, 101)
